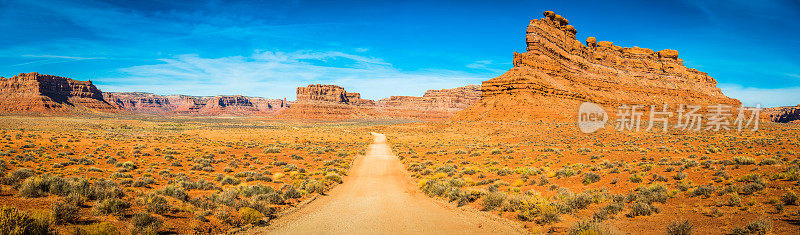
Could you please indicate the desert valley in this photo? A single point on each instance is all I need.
(505, 156)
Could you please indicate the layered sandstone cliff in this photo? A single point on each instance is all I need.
(39, 93)
(333, 102)
(558, 72)
(195, 105)
(782, 114)
(450, 100)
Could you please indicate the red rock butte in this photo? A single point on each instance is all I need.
(558, 73)
(39, 93)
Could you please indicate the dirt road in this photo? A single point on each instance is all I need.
(378, 197)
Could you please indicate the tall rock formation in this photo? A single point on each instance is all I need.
(558, 72)
(39, 93)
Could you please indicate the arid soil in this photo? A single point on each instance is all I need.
(185, 175)
(379, 198)
(552, 178)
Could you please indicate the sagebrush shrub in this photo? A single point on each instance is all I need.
(112, 206)
(641, 209)
(13, 221)
(590, 177)
(145, 224)
(762, 226)
(63, 213)
(102, 228)
(789, 198)
(493, 200)
(590, 227)
(680, 228)
(249, 215)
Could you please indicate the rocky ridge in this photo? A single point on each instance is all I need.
(786, 114)
(333, 102)
(558, 72)
(39, 93)
(195, 105)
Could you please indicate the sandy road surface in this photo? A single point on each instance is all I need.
(378, 197)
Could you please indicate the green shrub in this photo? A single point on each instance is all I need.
(176, 192)
(333, 177)
(590, 228)
(291, 192)
(272, 150)
(249, 215)
(680, 228)
(704, 190)
(145, 224)
(641, 209)
(743, 160)
(635, 178)
(590, 177)
(493, 200)
(761, 226)
(679, 176)
(40, 186)
(112, 206)
(768, 161)
(102, 228)
(62, 213)
(548, 215)
(13, 222)
(17, 176)
(789, 198)
(156, 204)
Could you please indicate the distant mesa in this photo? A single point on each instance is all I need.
(39, 93)
(558, 73)
(320, 101)
(787, 114)
(195, 105)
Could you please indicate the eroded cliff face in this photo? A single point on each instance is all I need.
(788, 114)
(448, 100)
(333, 102)
(558, 72)
(39, 93)
(195, 105)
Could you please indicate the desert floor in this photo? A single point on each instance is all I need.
(378, 197)
(98, 174)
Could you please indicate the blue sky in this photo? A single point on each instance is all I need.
(379, 48)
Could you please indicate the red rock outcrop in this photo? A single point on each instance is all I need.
(195, 105)
(330, 93)
(333, 102)
(447, 100)
(39, 93)
(558, 72)
(139, 102)
(785, 114)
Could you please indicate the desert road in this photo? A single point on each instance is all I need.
(378, 197)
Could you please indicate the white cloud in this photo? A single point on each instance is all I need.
(484, 65)
(750, 96)
(278, 74)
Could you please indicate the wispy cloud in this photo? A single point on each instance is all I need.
(766, 97)
(484, 65)
(278, 74)
(64, 57)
